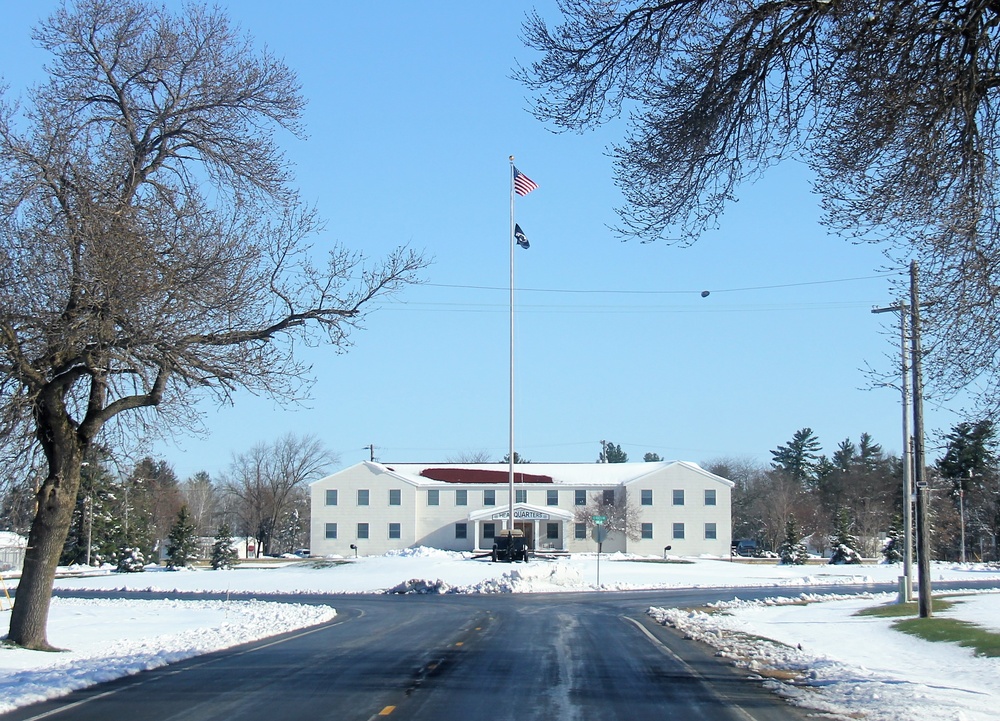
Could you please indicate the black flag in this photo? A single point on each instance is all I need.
(520, 237)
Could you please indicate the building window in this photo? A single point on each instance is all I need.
(647, 531)
(710, 533)
(521, 495)
(331, 497)
(331, 531)
(678, 496)
(647, 496)
(552, 498)
(395, 497)
(461, 498)
(433, 497)
(580, 531)
(393, 530)
(362, 530)
(709, 497)
(579, 498)
(489, 499)
(489, 530)
(552, 531)
(461, 530)
(679, 531)
(362, 496)
(609, 497)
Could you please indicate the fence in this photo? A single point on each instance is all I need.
(11, 558)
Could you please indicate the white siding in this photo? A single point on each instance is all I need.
(694, 514)
(434, 525)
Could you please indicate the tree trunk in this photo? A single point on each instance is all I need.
(55, 498)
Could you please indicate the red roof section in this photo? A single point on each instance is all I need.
(480, 475)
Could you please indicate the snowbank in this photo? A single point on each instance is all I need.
(108, 639)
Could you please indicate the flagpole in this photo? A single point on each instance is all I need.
(510, 462)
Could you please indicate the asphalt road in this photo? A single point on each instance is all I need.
(499, 657)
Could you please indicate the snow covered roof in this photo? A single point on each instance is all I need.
(9, 539)
(565, 474)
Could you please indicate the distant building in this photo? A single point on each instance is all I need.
(12, 548)
(462, 507)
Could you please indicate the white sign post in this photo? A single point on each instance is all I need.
(599, 533)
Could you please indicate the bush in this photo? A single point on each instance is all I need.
(131, 560)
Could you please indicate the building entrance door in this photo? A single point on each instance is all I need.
(528, 528)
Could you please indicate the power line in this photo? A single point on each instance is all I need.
(454, 307)
(664, 292)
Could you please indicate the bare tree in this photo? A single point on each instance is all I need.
(152, 248)
(783, 499)
(471, 457)
(267, 482)
(749, 495)
(621, 514)
(201, 497)
(891, 102)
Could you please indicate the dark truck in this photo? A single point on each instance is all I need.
(746, 547)
(510, 546)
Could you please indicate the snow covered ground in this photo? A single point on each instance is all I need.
(854, 666)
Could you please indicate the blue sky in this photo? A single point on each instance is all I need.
(412, 115)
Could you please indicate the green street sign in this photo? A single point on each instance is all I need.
(599, 520)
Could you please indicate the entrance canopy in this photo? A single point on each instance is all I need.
(522, 512)
(528, 520)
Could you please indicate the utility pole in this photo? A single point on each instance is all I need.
(961, 510)
(90, 523)
(88, 509)
(604, 451)
(919, 464)
(961, 519)
(371, 452)
(907, 462)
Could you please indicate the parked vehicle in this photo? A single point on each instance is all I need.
(510, 546)
(746, 547)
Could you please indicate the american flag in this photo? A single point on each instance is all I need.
(522, 183)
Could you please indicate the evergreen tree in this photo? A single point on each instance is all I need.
(969, 466)
(800, 457)
(517, 458)
(843, 457)
(843, 542)
(970, 447)
(131, 560)
(869, 452)
(792, 551)
(182, 544)
(612, 454)
(224, 556)
(153, 499)
(652, 458)
(94, 514)
(892, 550)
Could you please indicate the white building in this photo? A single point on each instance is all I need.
(380, 507)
